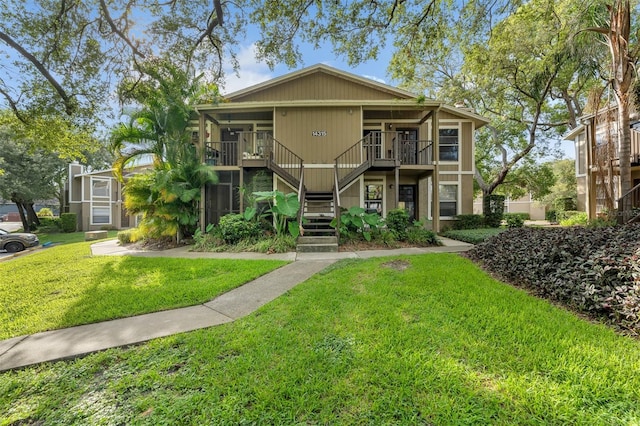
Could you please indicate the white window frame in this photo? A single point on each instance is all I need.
(441, 145)
(442, 199)
(95, 180)
(107, 208)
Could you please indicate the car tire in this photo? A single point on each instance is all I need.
(13, 247)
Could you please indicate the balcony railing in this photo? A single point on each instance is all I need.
(604, 153)
(221, 153)
(376, 147)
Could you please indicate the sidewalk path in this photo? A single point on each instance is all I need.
(76, 341)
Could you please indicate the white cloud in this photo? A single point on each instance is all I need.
(251, 71)
(374, 78)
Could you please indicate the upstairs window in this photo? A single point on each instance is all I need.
(100, 188)
(448, 144)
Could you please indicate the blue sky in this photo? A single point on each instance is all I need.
(253, 72)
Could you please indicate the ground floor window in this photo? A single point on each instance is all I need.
(448, 195)
(100, 215)
(373, 197)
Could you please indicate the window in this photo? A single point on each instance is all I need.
(448, 200)
(373, 197)
(100, 188)
(100, 215)
(448, 144)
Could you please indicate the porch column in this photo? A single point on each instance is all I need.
(202, 137)
(396, 186)
(435, 137)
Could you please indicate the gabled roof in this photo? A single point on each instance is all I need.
(322, 68)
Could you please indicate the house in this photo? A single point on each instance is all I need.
(337, 139)
(598, 163)
(96, 198)
(525, 204)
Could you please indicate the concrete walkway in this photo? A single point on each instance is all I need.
(76, 341)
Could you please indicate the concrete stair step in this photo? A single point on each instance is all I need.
(317, 248)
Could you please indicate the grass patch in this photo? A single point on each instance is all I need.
(65, 285)
(425, 339)
(67, 238)
(472, 236)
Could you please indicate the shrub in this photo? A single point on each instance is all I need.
(128, 236)
(68, 222)
(49, 225)
(45, 212)
(234, 228)
(551, 216)
(522, 215)
(422, 237)
(593, 270)
(357, 220)
(469, 221)
(397, 222)
(514, 221)
(571, 218)
(493, 207)
(472, 236)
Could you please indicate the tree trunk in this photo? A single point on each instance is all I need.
(32, 217)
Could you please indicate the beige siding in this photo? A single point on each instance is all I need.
(318, 86)
(582, 193)
(449, 168)
(466, 203)
(351, 196)
(339, 129)
(448, 178)
(466, 148)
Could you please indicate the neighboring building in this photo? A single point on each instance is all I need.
(598, 162)
(337, 139)
(525, 204)
(96, 198)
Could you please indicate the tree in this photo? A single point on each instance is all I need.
(62, 56)
(623, 59)
(169, 195)
(565, 186)
(29, 175)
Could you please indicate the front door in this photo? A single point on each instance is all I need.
(407, 199)
(408, 140)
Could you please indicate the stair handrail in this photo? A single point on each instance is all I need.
(301, 196)
(285, 161)
(353, 158)
(631, 197)
(336, 200)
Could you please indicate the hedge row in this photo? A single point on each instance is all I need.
(593, 270)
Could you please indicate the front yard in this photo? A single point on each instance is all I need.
(427, 339)
(65, 285)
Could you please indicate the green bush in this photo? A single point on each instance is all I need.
(397, 222)
(514, 221)
(592, 270)
(566, 214)
(468, 221)
(234, 227)
(45, 212)
(422, 237)
(49, 225)
(580, 218)
(68, 222)
(493, 208)
(128, 236)
(472, 236)
(551, 216)
(523, 216)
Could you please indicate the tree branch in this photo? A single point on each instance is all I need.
(116, 30)
(69, 103)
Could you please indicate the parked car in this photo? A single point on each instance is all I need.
(11, 217)
(17, 241)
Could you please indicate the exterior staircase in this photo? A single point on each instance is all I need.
(318, 210)
(629, 206)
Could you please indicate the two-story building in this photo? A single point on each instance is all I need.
(598, 162)
(337, 139)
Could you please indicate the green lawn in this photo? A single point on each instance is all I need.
(65, 285)
(365, 342)
(67, 238)
(473, 236)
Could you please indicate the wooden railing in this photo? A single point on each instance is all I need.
(256, 146)
(221, 153)
(283, 161)
(378, 146)
(629, 205)
(609, 152)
